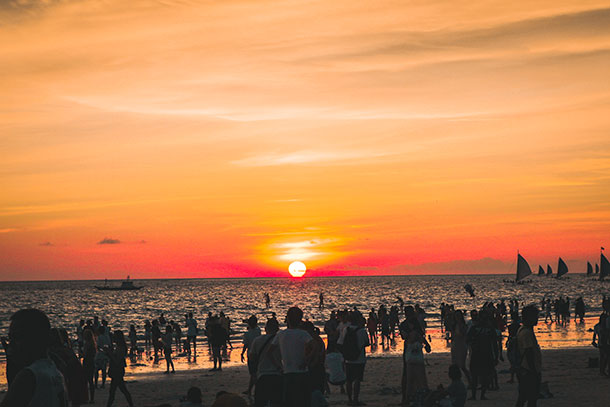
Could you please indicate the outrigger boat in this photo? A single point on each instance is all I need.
(126, 285)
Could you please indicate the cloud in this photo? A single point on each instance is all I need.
(305, 157)
(46, 244)
(8, 230)
(483, 265)
(108, 240)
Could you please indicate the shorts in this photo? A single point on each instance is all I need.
(354, 372)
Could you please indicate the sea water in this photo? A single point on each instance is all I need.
(67, 302)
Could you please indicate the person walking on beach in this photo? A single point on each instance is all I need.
(37, 383)
(413, 368)
(353, 341)
(89, 350)
(331, 328)
(529, 374)
(168, 338)
(483, 353)
(601, 340)
(191, 334)
(251, 334)
(217, 339)
(101, 357)
(266, 362)
(315, 354)
(116, 369)
(291, 343)
(459, 345)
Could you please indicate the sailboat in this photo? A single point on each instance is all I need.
(562, 268)
(596, 268)
(604, 269)
(540, 271)
(589, 269)
(549, 270)
(523, 269)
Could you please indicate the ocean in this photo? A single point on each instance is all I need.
(66, 302)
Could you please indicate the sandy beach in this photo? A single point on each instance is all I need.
(570, 381)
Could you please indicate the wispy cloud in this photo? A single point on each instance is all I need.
(307, 157)
(8, 230)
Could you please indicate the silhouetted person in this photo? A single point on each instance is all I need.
(217, 338)
(156, 339)
(251, 334)
(116, 369)
(38, 383)
(315, 353)
(191, 334)
(483, 353)
(266, 363)
(89, 351)
(529, 374)
(133, 341)
(69, 365)
(291, 342)
(354, 341)
(168, 338)
(321, 301)
(147, 334)
(601, 340)
(101, 357)
(193, 398)
(459, 345)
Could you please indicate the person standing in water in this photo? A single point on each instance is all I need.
(321, 301)
(168, 338)
(191, 334)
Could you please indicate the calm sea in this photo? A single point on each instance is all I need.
(66, 302)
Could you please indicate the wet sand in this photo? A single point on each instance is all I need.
(570, 381)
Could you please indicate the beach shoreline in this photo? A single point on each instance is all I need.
(569, 380)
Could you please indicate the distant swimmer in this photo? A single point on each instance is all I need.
(469, 289)
(321, 300)
(267, 300)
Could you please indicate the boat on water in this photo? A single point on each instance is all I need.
(126, 285)
(540, 271)
(523, 269)
(589, 269)
(604, 267)
(562, 268)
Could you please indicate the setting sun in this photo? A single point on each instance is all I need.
(297, 269)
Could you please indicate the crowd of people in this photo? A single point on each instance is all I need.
(294, 366)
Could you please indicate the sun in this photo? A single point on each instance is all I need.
(297, 269)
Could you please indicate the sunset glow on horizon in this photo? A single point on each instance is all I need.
(170, 139)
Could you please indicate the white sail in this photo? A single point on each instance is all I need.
(562, 268)
(523, 269)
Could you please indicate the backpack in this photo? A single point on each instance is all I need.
(350, 349)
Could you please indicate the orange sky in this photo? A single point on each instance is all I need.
(185, 138)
